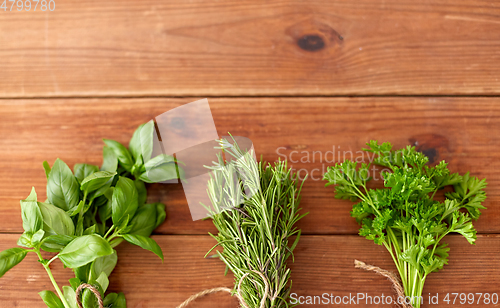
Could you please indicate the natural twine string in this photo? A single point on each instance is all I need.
(93, 290)
(393, 278)
(358, 264)
(238, 293)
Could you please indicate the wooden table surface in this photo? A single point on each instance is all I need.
(296, 77)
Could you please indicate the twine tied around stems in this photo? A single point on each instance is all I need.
(194, 297)
(393, 278)
(93, 290)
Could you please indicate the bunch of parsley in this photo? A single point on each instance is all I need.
(90, 211)
(255, 228)
(404, 216)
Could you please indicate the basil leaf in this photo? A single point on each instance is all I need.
(102, 190)
(115, 300)
(145, 243)
(84, 170)
(25, 240)
(134, 145)
(104, 265)
(124, 227)
(10, 258)
(136, 169)
(109, 160)
(110, 299)
(37, 238)
(120, 301)
(144, 220)
(83, 272)
(50, 299)
(101, 200)
(90, 230)
(32, 217)
(109, 193)
(89, 300)
(46, 167)
(84, 250)
(62, 187)
(125, 200)
(121, 153)
(70, 296)
(77, 209)
(103, 281)
(142, 192)
(162, 171)
(105, 211)
(159, 160)
(56, 243)
(161, 214)
(96, 180)
(147, 135)
(79, 226)
(55, 220)
(75, 282)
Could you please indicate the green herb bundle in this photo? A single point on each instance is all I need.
(89, 212)
(404, 216)
(255, 228)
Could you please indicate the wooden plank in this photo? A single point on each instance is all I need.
(463, 131)
(323, 264)
(228, 48)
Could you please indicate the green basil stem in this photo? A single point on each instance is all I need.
(49, 272)
(116, 242)
(80, 215)
(94, 221)
(50, 261)
(84, 199)
(113, 236)
(109, 231)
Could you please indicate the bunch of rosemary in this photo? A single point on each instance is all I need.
(255, 228)
(90, 211)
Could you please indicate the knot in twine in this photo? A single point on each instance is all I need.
(238, 293)
(393, 278)
(93, 290)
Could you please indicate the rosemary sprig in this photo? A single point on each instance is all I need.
(255, 228)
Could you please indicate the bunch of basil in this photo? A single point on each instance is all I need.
(89, 212)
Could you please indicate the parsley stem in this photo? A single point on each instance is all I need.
(389, 248)
(415, 275)
(432, 198)
(439, 240)
(405, 276)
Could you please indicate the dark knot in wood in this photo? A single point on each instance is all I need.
(311, 42)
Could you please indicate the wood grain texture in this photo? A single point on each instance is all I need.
(463, 131)
(323, 264)
(233, 48)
